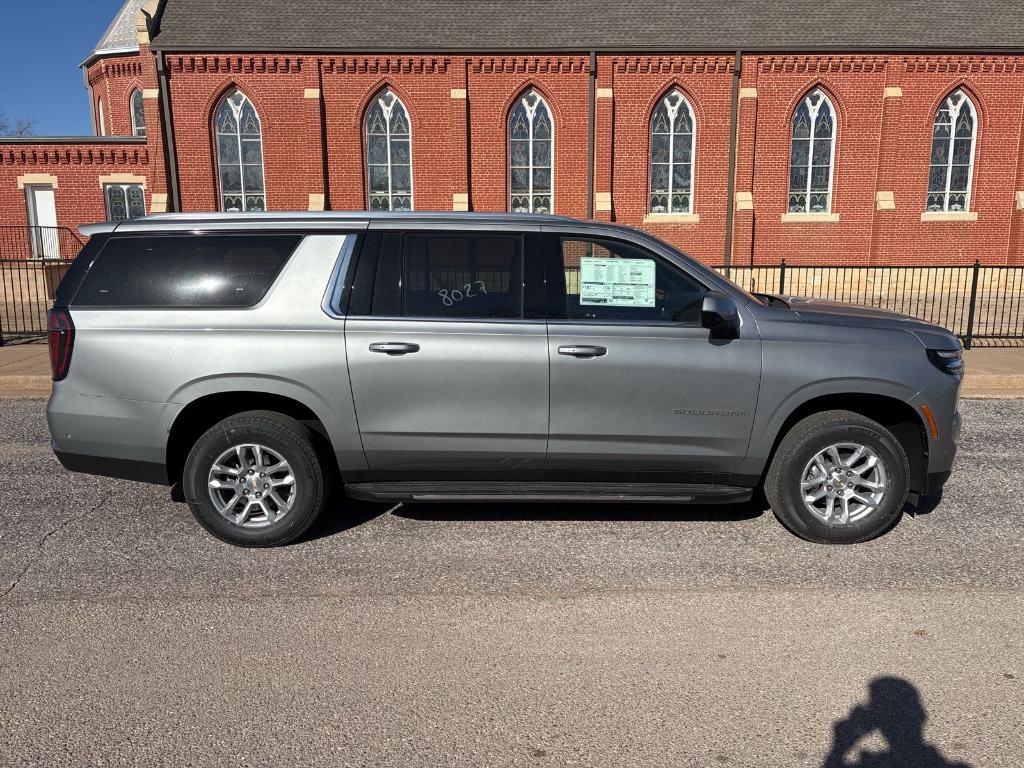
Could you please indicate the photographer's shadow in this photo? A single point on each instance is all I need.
(895, 710)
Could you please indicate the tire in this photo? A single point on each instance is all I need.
(283, 511)
(794, 463)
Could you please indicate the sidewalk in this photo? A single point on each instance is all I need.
(991, 373)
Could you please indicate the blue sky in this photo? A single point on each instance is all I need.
(41, 46)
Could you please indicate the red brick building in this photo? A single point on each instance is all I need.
(843, 132)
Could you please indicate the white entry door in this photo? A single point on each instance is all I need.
(42, 218)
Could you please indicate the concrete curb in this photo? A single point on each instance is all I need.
(986, 386)
(22, 387)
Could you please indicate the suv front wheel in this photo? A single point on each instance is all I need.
(838, 478)
(255, 480)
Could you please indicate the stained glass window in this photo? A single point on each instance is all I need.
(673, 143)
(138, 113)
(811, 156)
(952, 160)
(239, 154)
(388, 154)
(531, 137)
(124, 201)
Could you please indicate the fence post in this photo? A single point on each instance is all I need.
(782, 277)
(970, 308)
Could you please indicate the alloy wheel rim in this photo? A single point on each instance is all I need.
(843, 483)
(251, 485)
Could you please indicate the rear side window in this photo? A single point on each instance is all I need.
(450, 275)
(77, 271)
(185, 271)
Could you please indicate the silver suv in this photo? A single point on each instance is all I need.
(257, 359)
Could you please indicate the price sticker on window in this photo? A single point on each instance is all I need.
(617, 282)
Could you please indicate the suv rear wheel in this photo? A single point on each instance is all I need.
(255, 480)
(838, 478)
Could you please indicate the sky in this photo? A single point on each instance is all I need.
(42, 42)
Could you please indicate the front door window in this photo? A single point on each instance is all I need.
(617, 281)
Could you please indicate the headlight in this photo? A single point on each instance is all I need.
(948, 361)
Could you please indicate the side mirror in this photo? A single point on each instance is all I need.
(719, 315)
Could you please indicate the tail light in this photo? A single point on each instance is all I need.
(62, 342)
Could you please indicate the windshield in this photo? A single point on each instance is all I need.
(760, 298)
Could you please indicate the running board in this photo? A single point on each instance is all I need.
(648, 493)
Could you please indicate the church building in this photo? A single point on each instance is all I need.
(848, 132)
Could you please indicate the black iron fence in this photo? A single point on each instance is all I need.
(978, 303)
(33, 261)
(26, 293)
(22, 242)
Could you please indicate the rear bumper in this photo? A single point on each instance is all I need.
(109, 436)
(123, 469)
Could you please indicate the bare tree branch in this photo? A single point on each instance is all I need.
(20, 127)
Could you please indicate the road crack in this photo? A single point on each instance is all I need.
(41, 545)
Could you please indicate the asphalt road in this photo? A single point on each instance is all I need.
(508, 636)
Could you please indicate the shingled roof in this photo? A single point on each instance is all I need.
(369, 26)
(121, 36)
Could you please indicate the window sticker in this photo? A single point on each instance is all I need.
(617, 282)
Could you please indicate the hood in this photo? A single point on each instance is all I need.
(837, 313)
(806, 307)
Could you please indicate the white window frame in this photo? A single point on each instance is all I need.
(238, 135)
(530, 112)
(813, 110)
(672, 112)
(953, 116)
(137, 130)
(387, 110)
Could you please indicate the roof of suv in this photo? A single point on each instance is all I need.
(298, 219)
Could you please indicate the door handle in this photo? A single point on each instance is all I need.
(582, 351)
(394, 347)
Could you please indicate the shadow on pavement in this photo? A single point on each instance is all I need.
(342, 515)
(895, 710)
(601, 512)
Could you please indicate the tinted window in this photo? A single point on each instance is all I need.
(73, 277)
(185, 271)
(450, 275)
(611, 280)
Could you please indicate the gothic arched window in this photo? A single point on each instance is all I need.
(239, 154)
(952, 161)
(388, 154)
(812, 154)
(138, 113)
(531, 152)
(673, 144)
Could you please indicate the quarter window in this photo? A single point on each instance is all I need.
(613, 280)
(138, 113)
(812, 154)
(389, 154)
(239, 154)
(124, 201)
(531, 141)
(185, 271)
(673, 139)
(952, 160)
(449, 275)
